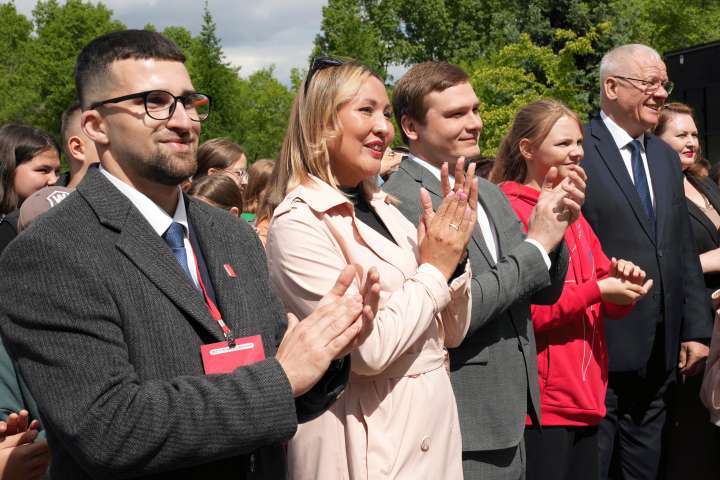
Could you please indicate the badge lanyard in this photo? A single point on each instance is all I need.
(214, 311)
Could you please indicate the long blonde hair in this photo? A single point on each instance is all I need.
(312, 125)
(533, 122)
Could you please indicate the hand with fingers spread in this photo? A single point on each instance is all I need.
(16, 423)
(20, 458)
(309, 346)
(444, 234)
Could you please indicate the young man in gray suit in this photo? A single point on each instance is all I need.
(135, 278)
(494, 371)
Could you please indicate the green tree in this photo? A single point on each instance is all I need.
(523, 72)
(49, 61)
(264, 105)
(15, 37)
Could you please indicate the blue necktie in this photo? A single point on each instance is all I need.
(175, 238)
(641, 181)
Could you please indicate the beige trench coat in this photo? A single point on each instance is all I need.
(397, 418)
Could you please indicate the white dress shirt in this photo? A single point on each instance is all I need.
(622, 141)
(482, 217)
(158, 218)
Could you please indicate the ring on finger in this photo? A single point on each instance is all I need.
(452, 225)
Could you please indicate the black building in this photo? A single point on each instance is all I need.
(696, 74)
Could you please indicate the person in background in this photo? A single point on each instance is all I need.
(29, 161)
(397, 418)
(79, 150)
(259, 175)
(391, 162)
(701, 167)
(222, 156)
(691, 437)
(219, 191)
(485, 166)
(635, 205)
(570, 335)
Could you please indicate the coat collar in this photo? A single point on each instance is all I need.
(330, 202)
(145, 248)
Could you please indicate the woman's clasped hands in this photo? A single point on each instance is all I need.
(443, 234)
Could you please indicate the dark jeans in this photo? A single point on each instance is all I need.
(562, 453)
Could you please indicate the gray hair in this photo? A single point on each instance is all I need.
(613, 62)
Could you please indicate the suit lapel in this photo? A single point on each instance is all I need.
(610, 155)
(145, 249)
(661, 180)
(230, 292)
(699, 215)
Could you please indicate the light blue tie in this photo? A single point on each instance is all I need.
(641, 181)
(175, 238)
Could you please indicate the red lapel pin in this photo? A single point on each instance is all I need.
(229, 270)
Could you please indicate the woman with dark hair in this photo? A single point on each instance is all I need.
(218, 191)
(692, 439)
(222, 156)
(29, 161)
(570, 335)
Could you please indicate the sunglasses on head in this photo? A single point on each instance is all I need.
(320, 63)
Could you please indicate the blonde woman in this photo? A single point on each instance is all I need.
(397, 418)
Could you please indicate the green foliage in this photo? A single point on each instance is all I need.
(37, 60)
(517, 51)
(523, 72)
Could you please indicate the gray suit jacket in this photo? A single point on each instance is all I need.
(106, 330)
(494, 371)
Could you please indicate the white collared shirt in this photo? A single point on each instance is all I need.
(158, 218)
(622, 141)
(482, 218)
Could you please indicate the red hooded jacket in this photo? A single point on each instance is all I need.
(570, 335)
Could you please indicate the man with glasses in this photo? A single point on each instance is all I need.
(635, 203)
(142, 320)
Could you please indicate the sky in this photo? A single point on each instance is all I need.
(254, 33)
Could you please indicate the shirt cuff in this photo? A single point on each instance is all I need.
(544, 254)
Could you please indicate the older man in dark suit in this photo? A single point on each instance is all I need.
(494, 371)
(636, 205)
(108, 300)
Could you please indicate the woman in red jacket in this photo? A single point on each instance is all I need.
(570, 338)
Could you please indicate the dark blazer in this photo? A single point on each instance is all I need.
(494, 371)
(664, 249)
(106, 330)
(706, 236)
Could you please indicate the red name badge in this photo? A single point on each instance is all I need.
(219, 358)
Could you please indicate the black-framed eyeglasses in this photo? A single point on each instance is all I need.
(320, 63)
(160, 105)
(650, 87)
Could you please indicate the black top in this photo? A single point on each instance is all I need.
(705, 233)
(365, 213)
(8, 228)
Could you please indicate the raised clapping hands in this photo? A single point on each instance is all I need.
(20, 458)
(558, 206)
(625, 283)
(443, 235)
(331, 329)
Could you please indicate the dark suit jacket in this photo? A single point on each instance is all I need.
(706, 236)
(494, 371)
(664, 250)
(106, 330)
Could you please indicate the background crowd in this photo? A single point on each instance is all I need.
(551, 320)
